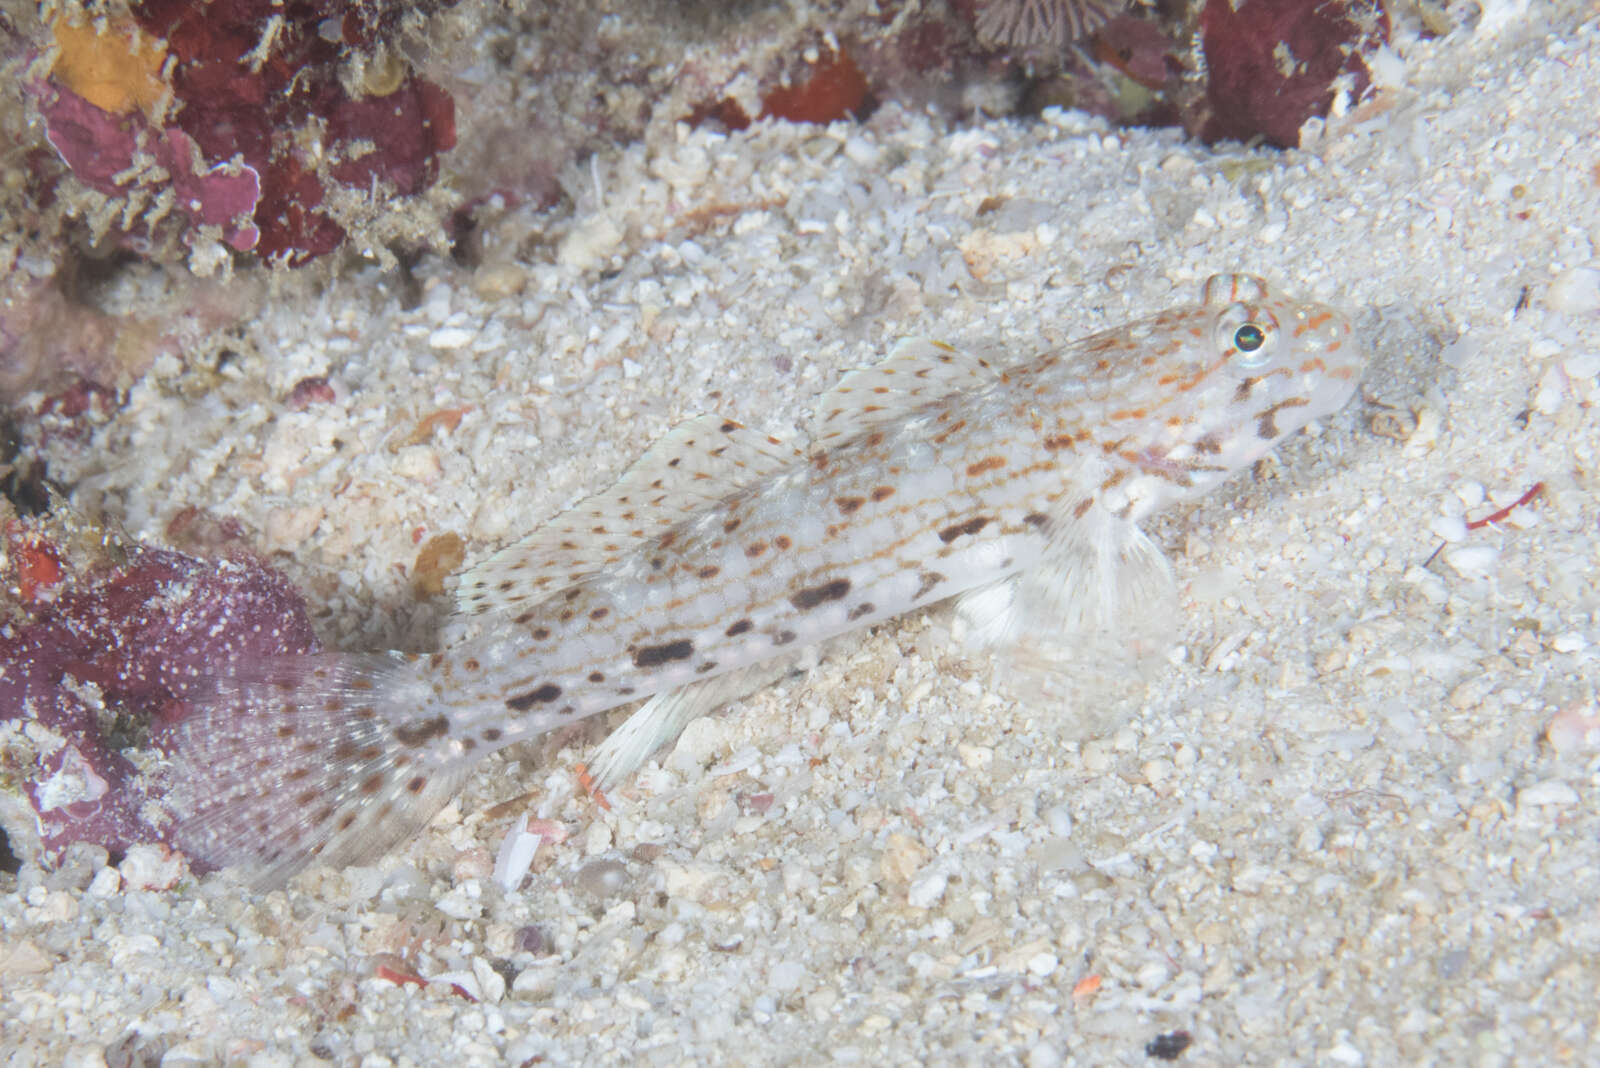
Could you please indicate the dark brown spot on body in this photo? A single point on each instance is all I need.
(1268, 425)
(600, 613)
(865, 608)
(416, 784)
(755, 549)
(710, 571)
(418, 734)
(541, 633)
(739, 628)
(597, 676)
(372, 784)
(731, 525)
(782, 542)
(543, 695)
(1082, 508)
(850, 505)
(971, 526)
(811, 596)
(883, 493)
(784, 637)
(655, 655)
(493, 734)
(927, 581)
(1036, 519)
(709, 665)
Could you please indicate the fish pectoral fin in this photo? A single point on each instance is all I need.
(917, 372)
(696, 463)
(1084, 627)
(1098, 573)
(659, 721)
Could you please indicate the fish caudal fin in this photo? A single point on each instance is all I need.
(295, 759)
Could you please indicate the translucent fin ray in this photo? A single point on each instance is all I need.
(293, 759)
(696, 463)
(918, 371)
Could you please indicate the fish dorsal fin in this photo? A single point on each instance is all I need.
(918, 371)
(696, 463)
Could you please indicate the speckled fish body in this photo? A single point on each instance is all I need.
(722, 552)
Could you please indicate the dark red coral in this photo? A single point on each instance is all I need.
(254, 84)
(1272, 64)
(404, 134)
(120, 647)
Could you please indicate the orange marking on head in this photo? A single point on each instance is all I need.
(1128, 413)
(1333, 346)
(1313, 364)
(1318, 319)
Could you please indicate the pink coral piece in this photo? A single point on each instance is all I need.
(100, 149)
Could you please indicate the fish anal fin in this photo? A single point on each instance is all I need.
(694, 464)
(659, 721)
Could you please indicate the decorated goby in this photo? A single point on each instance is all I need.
(723, 552)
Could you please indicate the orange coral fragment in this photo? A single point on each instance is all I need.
(38, 567)
(437, 560)
(835, 90)
(428, 425)
(117, 69)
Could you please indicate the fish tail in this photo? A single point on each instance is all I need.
(293, 759)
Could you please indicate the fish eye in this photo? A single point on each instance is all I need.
(1246, 335)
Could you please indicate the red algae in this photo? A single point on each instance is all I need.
(1273, 64)
(102, 652)
(242, 115)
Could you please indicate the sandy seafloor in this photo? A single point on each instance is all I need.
(1354, 818)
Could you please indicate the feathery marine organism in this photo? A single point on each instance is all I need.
(723, 552)
(1042, 23)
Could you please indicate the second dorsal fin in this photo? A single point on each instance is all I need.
(917, 372)
(694, 464)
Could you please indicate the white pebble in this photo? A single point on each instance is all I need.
(1575, 292)
(1043, 964)
(451, 337)
(1472, 561)
(1471, 493)
(515, 859)
(1549, 792)
(1571, 642)
(926, 890)
(1451, 528)
(151, 867)
(786, 976)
